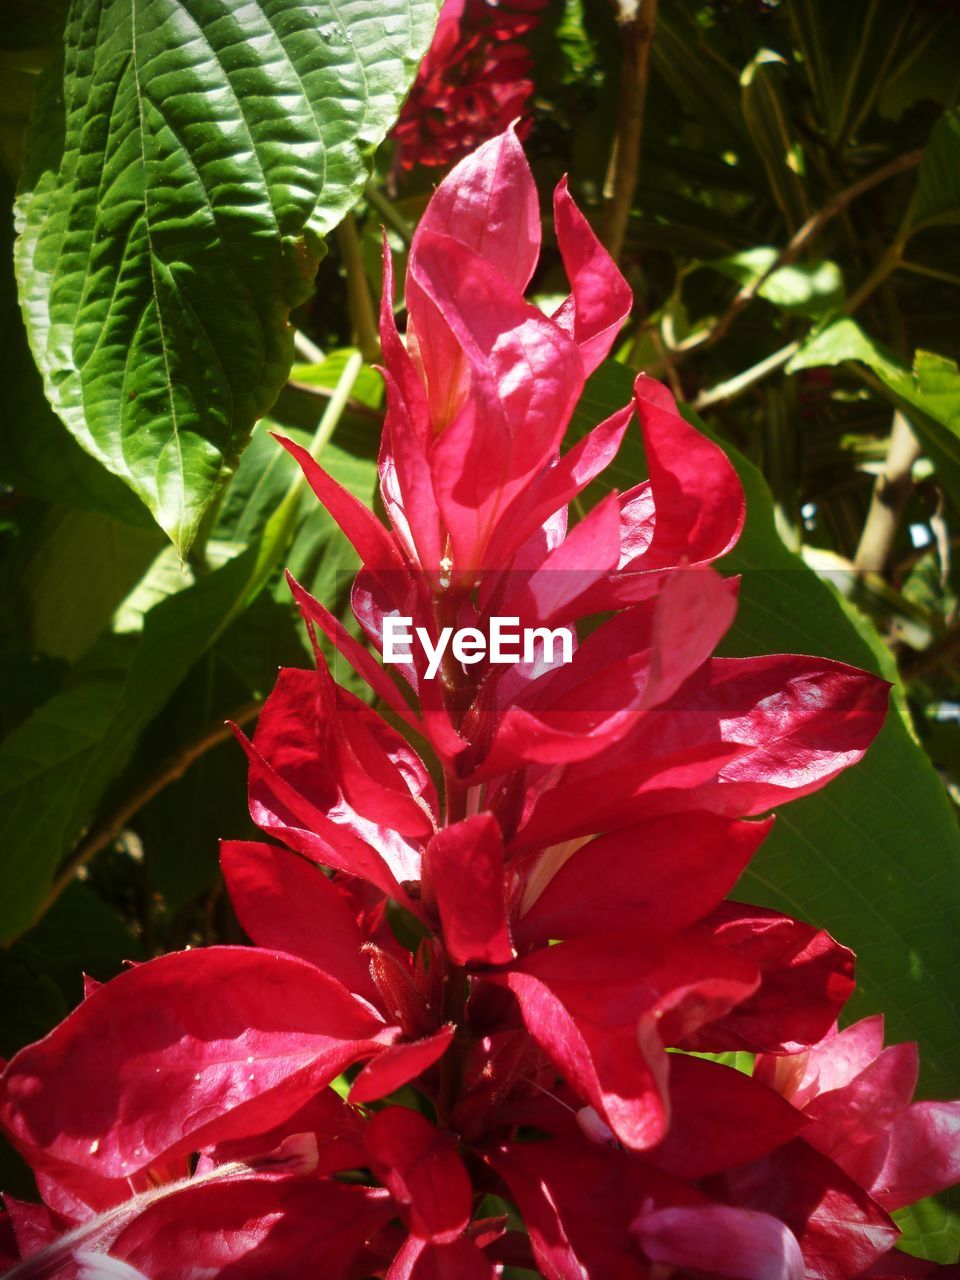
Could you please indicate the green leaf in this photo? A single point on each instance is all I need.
(807, 288)
(937, 199)
(875, 856)
(38, 455)
(930, 1230)
(80, 567)
(929, 393)
(55, 767)
(185, 161)
(926, 66)
(79, 935)
(31, 1000)
(182, 857)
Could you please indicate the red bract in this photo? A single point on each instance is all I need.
(472, 83)
(513, 980)
(857, 1099)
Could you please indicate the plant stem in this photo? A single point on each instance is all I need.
(456, 990)
(637, 31)
(307, 350)
(730, 389)
(358, 291)
(356, 407)
(282, 524)
(171, 769)
(889, 261)
(890, 495)
(796, 246)
(389, 212)
(455, 800)
(933, 273)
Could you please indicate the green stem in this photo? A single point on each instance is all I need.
(358, 290)
(934, 273)
(453, 1064)
(888, 263)
(455, 800)
(282, 525)
(306, 349)
(735, 386)
(389, 212)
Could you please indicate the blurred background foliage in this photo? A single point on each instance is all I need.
(780, 181)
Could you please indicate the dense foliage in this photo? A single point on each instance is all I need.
(779, 185)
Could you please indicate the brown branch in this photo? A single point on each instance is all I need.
(890, 496)
(796, 246)
(637, 29)
(735, 386)
(169, 771)
(888, 263)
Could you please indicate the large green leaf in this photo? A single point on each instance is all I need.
(55, 767)
(78, 569)
(875, 856)
(38, 456)
(931, 1228)
(185, 160)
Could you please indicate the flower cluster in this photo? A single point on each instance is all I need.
(502, 1000)
(473, 82)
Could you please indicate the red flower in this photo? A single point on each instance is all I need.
(473, 82)
(856, 1097)
(538, 958)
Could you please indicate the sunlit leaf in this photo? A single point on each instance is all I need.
(929, 393)
(810, 288)
(185, 162)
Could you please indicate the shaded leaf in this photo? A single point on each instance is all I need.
(182, 858)
(79, 935)
(31, 1000)
(847, 52)
(937, 201)
(80, 567)
(686, 58)
(55, 766)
